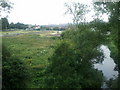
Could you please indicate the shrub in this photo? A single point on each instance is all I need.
(14, 71)
(65, 71)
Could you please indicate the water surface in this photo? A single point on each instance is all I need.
(108, 65)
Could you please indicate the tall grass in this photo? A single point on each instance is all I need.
(34, 50)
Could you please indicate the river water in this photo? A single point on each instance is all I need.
(107, 66)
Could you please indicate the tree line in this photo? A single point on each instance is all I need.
(6, 25)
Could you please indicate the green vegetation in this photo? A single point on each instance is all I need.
(18, 26)
(15, 73)
(5, 23)
(41, 54)
(33, 50)
(113, 28)
(33, 59)
(67, 69)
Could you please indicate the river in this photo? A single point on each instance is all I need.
(107, 66)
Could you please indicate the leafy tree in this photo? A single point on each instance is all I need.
(97, 25)
(77, 11)
(12, 26)
(5, 6)
(71, 65)
(18, 26)
(112, 9)
(68, 70)
(5, 24)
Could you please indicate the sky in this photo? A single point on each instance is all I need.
(41, 12)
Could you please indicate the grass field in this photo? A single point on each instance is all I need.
(34, 49)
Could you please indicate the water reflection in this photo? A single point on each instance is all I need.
(108, 65)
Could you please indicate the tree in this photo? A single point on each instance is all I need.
(5, 24)
(67, 70)
(112, 9)
(77, 11)
(18, 26)
(71, 65)
(5, 6)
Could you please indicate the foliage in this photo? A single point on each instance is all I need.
(97, 25)
(67, 70)
(112, 9)
(18, 26)
(14, 73)
(34, 50)
(5, 6)
(5, 23)
(71, 65)
(78, 11)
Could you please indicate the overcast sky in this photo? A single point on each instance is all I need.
(41, 12)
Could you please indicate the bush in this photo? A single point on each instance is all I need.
(14, 71)
(65, 71)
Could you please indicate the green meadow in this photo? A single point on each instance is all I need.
(34, 48)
